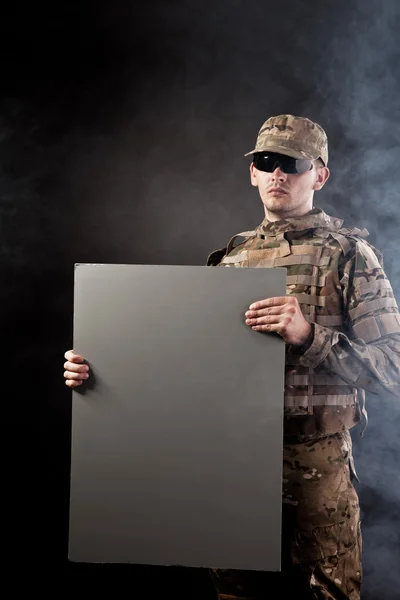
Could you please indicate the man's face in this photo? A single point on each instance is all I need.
(285, 195)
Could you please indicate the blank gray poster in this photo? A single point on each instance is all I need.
(177, 443)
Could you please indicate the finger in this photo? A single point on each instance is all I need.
(268, 327)
(264, 320)
(275, 301)
(75, 376)
(80, 368)
(274, 310)
(72, 357)
(71, 383)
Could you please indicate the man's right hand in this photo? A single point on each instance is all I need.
(75, 372)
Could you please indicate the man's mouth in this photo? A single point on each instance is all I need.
(277, 191)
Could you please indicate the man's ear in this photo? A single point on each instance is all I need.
(253, 175)
(323, 174)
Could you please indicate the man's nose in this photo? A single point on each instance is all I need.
(278, 175)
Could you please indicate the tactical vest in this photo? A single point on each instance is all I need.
(316, 402)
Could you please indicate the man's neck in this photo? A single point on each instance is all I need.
(281, 215)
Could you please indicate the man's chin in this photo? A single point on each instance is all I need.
(277, 203)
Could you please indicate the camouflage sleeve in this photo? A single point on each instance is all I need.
(366, 354)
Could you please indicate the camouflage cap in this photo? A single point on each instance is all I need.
(294, 136)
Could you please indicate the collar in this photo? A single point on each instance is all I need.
(314, 219)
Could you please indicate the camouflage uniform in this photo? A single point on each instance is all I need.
(342, 289)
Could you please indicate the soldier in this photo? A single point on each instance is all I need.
(341, 325)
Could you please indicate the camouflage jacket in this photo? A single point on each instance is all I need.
(342, 289)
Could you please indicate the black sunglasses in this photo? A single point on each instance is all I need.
(268, 161)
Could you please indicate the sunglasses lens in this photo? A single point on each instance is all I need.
(265, 162)
(269, 162)
(303, 165)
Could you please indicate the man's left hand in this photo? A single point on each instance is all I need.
(281, 314)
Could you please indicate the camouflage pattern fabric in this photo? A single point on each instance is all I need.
(342, 289)
(339, 281)
(321, 529)
(294, 136)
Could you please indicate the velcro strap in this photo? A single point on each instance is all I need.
(372, 305)
(367, 330)
(310, 299)
(390, 322)
(375, 327)
(293, 379)
(374, 286)
(308, 249)
(320, 400)
(296, 259)
(306, 280)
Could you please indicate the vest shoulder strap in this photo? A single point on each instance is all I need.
(346, 236)
(215, 257)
